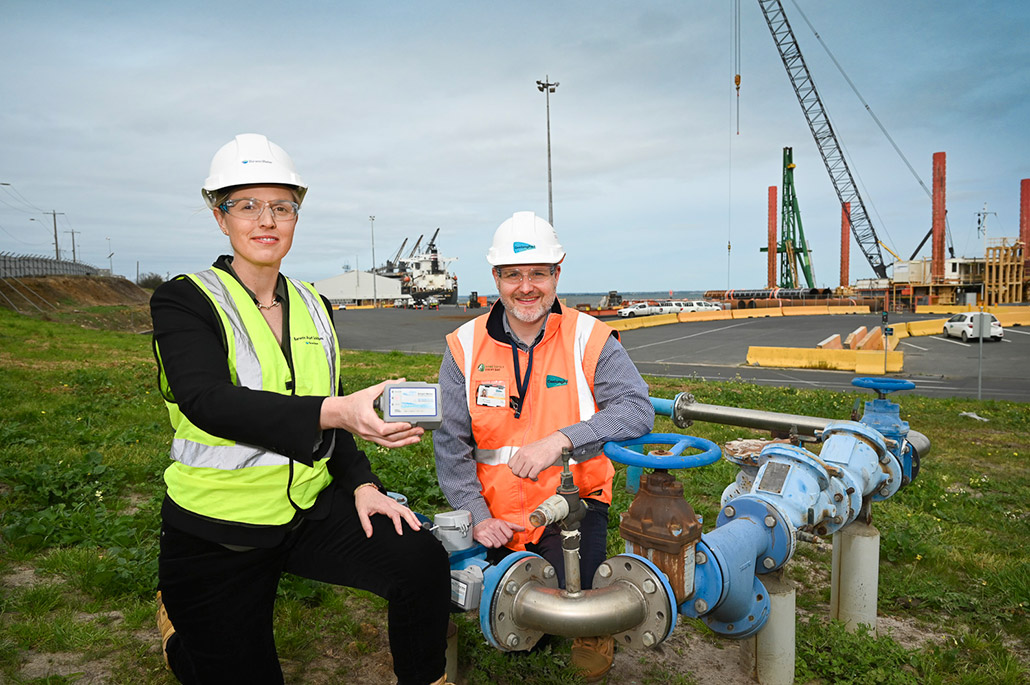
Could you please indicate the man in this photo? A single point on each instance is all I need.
(520, 384)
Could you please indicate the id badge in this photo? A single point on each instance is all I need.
(491, 394)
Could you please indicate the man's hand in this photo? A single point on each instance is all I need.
(369, 501)
(494, 532)
(533, 458)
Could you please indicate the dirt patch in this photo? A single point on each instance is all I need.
(21, 576)
(48, 292)
(40, 665)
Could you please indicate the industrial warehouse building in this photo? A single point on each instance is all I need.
(356, 288)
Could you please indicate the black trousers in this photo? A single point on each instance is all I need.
(220, 601)
(593, 530)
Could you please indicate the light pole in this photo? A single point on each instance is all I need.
(372, 223)
(546, 87)
(110, 255)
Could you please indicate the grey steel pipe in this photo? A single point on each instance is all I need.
(685, 411)
(600, 611)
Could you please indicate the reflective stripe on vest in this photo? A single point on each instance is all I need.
(206, 451)
(560, 394)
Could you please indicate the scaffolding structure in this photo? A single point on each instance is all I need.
(1003, 273)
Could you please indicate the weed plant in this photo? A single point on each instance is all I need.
(84, 440)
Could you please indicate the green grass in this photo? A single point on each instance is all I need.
(83, 446)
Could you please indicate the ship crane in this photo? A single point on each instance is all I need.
(822, 132)
(393, 262)
(415, 249)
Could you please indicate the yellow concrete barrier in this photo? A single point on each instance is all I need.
(1014, 318)
(644, 322)
(806, 310)
(757, 313)
(871, 362)
(927, 327)
(943, 308)
(625, 324)
(711, 315)
(849, 309)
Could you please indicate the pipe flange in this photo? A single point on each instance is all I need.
(749, 623)
(709, 588)
(679, 410)
(656, 592)
(766, 514)
(502, 585)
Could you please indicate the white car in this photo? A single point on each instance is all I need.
(671, 307)
(961, 326)
(638, 309)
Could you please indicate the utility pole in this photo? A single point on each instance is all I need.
(372, 223)
(74, 257)
(546, 87)
(57, 250)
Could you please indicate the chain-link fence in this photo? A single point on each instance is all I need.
(17, 266)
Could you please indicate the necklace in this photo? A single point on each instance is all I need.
(275, 303)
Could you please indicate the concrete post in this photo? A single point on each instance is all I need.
(854, 575)
(768, 655)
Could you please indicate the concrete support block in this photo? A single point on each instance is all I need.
(768, 655)
(831, 343)
(852, 340)
(854, 575)
(873, 340)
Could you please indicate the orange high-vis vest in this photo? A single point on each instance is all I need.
(560, 393)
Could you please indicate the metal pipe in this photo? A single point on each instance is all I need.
(601, 611)
(685, 411)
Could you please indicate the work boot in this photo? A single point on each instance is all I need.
(165, 627)
(593, 656)
(442, 681)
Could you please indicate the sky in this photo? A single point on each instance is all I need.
(426, 115)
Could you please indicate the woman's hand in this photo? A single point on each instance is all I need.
(356, 414)
(369, 501)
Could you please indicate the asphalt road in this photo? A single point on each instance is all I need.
(717, 350)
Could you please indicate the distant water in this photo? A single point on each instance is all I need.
(593, 298)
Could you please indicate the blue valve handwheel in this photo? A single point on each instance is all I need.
(883, 385)
(621, 452)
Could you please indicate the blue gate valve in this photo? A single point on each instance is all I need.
(884, 416)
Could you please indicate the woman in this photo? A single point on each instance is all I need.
(266, 477)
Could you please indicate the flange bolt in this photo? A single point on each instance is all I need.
(700, 606)
(604, 570)
(730, 512)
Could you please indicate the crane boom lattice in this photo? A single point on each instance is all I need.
(822, 132)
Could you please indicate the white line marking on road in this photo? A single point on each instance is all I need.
(1012, 330)
(924, 349)
(684, 337)
(949, 340)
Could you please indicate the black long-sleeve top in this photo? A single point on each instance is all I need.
(188, 335)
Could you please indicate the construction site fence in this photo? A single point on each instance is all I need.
(21, 266)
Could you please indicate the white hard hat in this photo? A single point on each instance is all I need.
(251, 158)
(525, 238)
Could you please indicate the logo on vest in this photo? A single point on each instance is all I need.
(522, 247)
(490, 367)
(555, 381)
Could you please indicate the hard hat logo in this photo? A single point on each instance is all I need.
(525, 232)
(251, 159)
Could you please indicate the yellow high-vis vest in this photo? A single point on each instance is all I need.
(232, 481)
(560, 394)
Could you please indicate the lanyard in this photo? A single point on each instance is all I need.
(521, 382)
